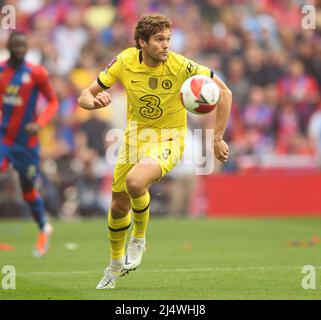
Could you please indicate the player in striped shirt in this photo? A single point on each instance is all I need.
(20, 85)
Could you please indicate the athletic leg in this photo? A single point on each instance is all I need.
(138, 180)
(119, 220)
(33, 199)
(26, 162)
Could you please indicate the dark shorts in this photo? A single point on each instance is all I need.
(24, 160)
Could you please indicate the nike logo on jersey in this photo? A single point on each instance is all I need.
(134, 81)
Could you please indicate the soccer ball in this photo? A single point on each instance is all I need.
(200, 94)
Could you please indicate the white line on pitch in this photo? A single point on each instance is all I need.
(168, 270)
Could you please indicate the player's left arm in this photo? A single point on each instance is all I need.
(222, 111)
(46, 88)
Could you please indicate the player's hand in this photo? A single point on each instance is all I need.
(221, 150)
(32, 128)
(102, 100)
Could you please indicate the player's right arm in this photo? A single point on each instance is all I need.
(94, 97)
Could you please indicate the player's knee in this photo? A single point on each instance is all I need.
(135, 185)
(27, 185)
(119, 209)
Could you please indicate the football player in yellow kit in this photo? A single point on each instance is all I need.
(153, 143)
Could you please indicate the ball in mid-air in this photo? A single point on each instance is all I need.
(200, 94)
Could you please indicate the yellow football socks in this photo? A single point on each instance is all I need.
(140, 207)
(118, 229)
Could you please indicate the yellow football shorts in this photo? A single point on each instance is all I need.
(167, 153)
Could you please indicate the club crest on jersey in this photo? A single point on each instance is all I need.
(25, 78)
(153, 82)
(167, 84)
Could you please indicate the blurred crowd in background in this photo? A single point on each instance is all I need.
(258, 47)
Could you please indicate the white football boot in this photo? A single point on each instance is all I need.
(109, 279)
(134, 254)
(111, 274)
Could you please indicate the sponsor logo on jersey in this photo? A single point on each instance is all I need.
(12, 100)
(192, 69)
(151, 109)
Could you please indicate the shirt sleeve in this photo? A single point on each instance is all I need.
(111, 74)
(45, 87)
(192, 68)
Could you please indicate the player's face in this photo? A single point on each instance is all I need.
(18, 47)
(157, 48)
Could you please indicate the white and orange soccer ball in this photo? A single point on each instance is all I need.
(200, 94)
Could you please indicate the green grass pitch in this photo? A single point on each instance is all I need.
(185, 259)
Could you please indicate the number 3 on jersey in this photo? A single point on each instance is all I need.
(151, 109)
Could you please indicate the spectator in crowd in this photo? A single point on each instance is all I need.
(239, 84)
(314, 130)
(95, 131)
(301, 88)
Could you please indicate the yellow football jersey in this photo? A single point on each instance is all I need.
(153, 100)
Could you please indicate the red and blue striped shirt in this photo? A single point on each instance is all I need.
(19, 90)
